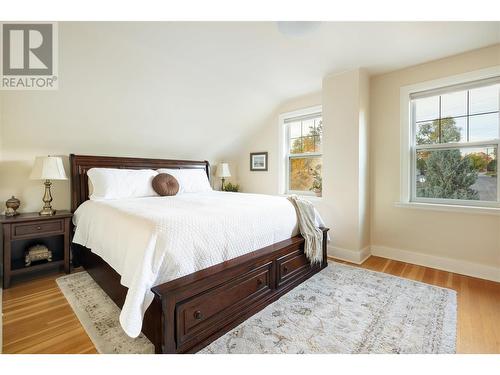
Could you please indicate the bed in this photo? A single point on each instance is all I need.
(189, 310)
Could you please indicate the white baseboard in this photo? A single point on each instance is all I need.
(446, 264)
(353, 256)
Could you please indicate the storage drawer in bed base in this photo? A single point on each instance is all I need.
(190, 312)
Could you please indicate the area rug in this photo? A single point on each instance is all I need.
(342, 309)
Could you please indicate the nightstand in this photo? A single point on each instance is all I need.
(27, 229)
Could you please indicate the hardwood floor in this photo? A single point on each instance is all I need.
(38, 319)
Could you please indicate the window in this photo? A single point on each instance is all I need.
(454, 144)
(303, 134)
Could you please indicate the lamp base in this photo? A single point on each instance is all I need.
(47, 198)
(47, 212)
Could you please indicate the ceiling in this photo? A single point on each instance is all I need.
(260, 56)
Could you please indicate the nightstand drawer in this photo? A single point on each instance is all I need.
(51, 226)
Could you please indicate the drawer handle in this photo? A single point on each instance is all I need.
(198, 315)
(285, 269)
(259, 282)
(39, 227)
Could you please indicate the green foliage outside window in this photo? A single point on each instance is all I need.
(480, 161)
(492, 166)
(429, 132)
(447, 174)
(317, 185)
(305, 171)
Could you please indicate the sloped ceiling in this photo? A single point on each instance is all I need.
(195, 89)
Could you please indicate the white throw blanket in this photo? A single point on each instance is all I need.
(313, 236)
(152, 240)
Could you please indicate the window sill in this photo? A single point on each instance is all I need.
(310, 198)
(449, 208)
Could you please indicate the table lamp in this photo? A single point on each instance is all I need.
(48, 168)
(223, 172)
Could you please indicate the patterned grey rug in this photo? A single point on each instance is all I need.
(342, 309)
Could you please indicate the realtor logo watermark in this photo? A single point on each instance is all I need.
(28, 58)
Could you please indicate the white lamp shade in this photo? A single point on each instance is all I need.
(48, 168)
(223, 170)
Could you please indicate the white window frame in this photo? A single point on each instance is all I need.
(408, 142)
(284, 138)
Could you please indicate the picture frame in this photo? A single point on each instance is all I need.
(258, 161)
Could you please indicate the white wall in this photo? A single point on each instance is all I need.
(156, 103)
(345, 200)
(129, 89)
(266, 138)
(364, 160)
(448, 240)
(362, 215)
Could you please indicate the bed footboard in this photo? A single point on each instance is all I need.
(199, 308)
(190, 312)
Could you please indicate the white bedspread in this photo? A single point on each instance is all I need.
(152, 240)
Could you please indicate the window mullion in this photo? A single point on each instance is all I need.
(307, 155)
(451, 145)
(467, 126)
(439, 122)
(287, 166)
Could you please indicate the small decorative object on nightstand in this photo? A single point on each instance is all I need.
(12, 205)
(232, 187)
(48, 168)
(29, 237)
(223, 172)
(36, 253)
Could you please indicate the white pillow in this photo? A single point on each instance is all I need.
(190, 180)
(111, 183)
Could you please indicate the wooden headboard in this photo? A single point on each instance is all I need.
(80, 164)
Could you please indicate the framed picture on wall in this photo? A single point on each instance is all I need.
(258, 161)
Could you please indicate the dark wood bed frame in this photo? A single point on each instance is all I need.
(190, 312)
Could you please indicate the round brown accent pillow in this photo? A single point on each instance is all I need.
(165, 184)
